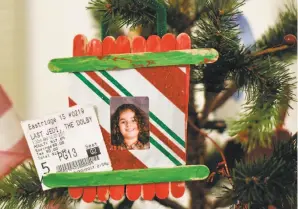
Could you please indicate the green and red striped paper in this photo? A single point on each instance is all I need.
(168, 92)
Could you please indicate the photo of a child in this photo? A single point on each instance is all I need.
(129, 123)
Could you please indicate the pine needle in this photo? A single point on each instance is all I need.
(274, 36)
(267, 83)
(269, 180)
(22, 189)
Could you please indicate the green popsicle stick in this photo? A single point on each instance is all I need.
(126, 177)
(133, 60)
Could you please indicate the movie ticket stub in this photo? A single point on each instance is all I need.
(70, 141)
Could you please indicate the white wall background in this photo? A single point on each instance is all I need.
(33, 32)
(52, 26)
(11, 53)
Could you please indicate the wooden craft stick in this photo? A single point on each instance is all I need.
(127, 177)
(79, 50)
(183, 41)
(165, 81)
(121, 46)
(133, 60)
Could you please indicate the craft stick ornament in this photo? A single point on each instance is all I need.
(145, 105)
(140, 89)
(163, 150)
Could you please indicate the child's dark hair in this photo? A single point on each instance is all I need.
(142, 121)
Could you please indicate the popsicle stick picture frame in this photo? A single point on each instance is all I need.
(151, 96)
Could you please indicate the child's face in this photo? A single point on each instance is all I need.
(128, 125)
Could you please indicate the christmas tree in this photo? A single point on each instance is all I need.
(260, 70)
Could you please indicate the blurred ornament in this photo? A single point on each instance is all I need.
(290, 39)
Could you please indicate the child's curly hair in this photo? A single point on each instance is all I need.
(141, 118)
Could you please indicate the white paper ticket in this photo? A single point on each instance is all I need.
(70, 141)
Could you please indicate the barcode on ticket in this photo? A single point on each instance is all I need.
(81, 163)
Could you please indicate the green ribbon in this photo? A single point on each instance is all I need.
(161, 15)
(104, 28)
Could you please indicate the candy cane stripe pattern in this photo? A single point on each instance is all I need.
(13, 146)
(167, 90)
